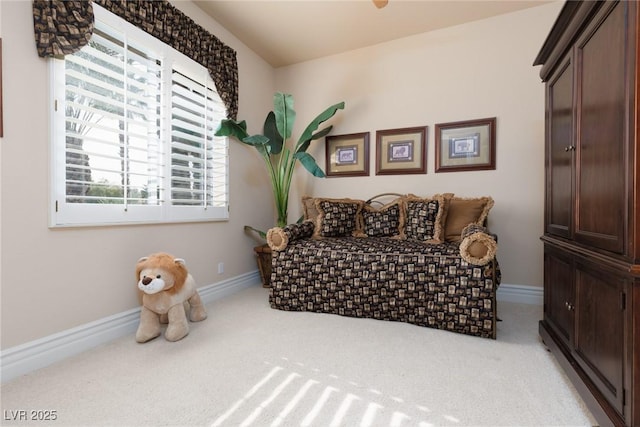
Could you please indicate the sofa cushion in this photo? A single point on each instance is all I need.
(387, 221)
(309, 209)
(279, 237)
(337, 218)
(424, 218)
(477, 246)
(462, 212)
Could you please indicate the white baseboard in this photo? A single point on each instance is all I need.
(521, 294)
(28, 357)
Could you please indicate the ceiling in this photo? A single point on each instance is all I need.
(285, 32)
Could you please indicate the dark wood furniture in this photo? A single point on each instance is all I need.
(592, 212)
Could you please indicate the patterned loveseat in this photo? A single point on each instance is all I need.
(426, 261)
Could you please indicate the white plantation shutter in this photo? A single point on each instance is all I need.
(198, 158)
(111, 121)
(133, 136)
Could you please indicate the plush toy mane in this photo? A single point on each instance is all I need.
(167, 263)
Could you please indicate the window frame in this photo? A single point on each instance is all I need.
(65, 214)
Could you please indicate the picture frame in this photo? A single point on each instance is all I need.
(465, 146)
(401, 151)
(347, 155)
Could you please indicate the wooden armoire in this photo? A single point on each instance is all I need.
(591, 239)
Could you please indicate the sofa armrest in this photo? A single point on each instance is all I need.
(279, 237)
(478, 246)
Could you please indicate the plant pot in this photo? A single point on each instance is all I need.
(263, 254)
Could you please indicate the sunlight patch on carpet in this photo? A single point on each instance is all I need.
(317, 407)
(247, 396)
(291, 393)
(293, 402)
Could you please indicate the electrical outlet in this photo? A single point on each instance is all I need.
(220, 267)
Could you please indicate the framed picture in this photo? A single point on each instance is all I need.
(465, 146)
(347, 155)
(401, 151)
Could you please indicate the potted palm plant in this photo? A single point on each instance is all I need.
(280, 156)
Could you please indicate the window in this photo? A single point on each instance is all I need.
(133, 133)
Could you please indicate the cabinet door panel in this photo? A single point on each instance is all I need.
(559, 153)
(558, 293)
(600, 198)
(600, 331)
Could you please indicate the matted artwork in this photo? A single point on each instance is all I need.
(467, 145)
(347, 155)
(401, 151)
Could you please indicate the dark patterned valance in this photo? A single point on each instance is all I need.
(56, 20)
(61, 27)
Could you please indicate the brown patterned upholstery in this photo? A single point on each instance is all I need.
(387, 221)
(337, 217)
(424, 218)
(384, 278)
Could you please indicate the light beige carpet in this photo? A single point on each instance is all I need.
(250, 365)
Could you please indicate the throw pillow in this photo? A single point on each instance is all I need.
(338, 217)
(462, 212)
(424, 218)
(309, 209)
(387, 221)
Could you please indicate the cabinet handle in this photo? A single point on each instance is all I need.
(570, 148)
(569, 306)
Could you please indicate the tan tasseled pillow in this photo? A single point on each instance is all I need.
(309, 208)
(277, 239)
(445, 210)
(462, 212)
(477, 247)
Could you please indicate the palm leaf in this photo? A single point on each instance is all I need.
(270, 130)
(310, 164)
(285, 114)
(322, 117)
(260, 142)
(303, 147)
(233, 128)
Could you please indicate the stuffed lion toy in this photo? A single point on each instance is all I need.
(168, 293)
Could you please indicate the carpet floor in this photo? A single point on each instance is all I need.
(250, 365)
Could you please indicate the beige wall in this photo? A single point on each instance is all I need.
(55, 279)
(52, 280)
(482, 69)
(1, 143)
